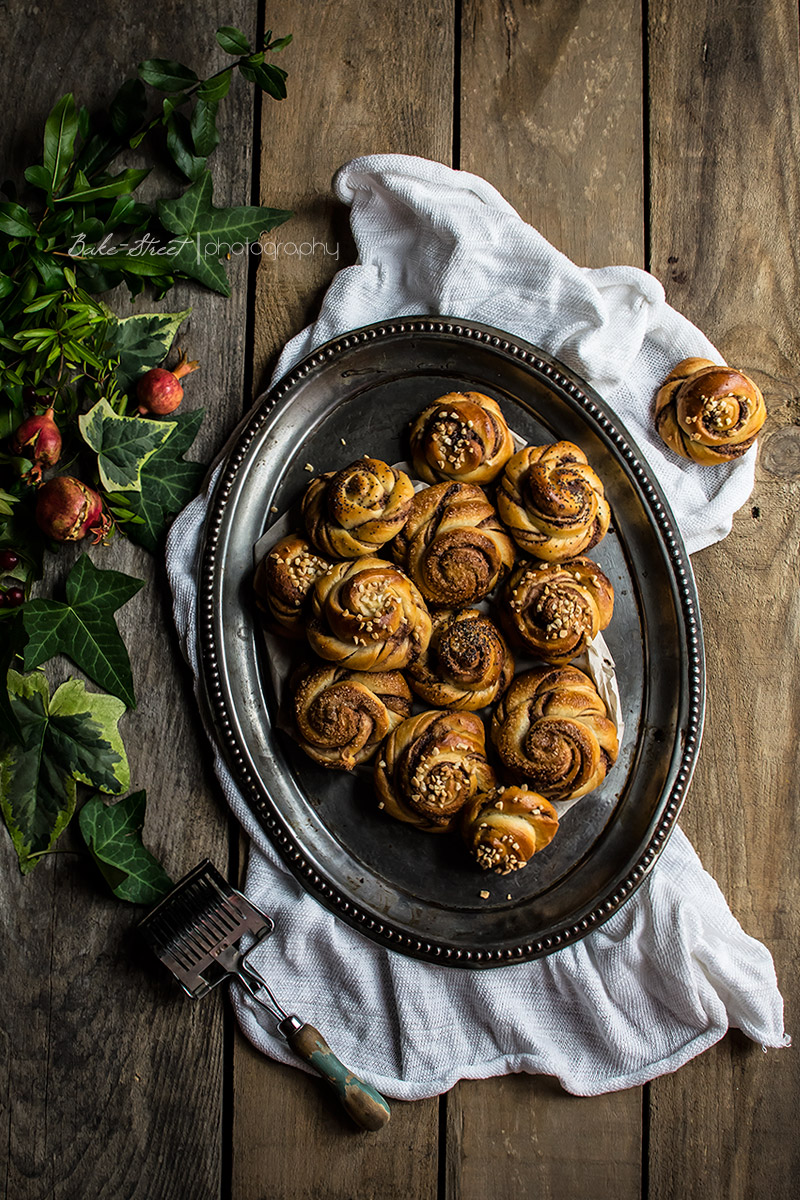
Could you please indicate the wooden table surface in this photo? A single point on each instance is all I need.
(662, 134)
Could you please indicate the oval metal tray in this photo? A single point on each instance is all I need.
(416, 893)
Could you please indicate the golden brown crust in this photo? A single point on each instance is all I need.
(430, 766)
(453, 545)
(342, 716)
(708, 413)
(461, 436)
(551, 730)
(467, 664)
(357, 510)
(504, 828)
(555, 609)
(552, 502)
(283, 581)
(367, 615)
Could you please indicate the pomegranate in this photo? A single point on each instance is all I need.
(38, 438)
(66, 509)
(159, 391)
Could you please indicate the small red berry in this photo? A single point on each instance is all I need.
(8, 560)
(14, 596)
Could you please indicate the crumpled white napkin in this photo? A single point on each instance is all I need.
(668, 974)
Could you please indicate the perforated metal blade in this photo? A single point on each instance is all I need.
(196, 929)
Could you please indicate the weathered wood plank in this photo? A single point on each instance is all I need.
(724, 186)
(363, 79)
(111, 1082)
(551, 114)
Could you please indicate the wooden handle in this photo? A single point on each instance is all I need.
(366, 1106)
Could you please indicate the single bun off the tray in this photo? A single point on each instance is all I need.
(555, 609)
(467, 663)
(283, 581)
(357, 510)
(368, 616)
(453, 545)
(461, 436)
(552, 731)
(342, 716)
(504, 828)
(552, 502)
(430, 766)
(708, 413)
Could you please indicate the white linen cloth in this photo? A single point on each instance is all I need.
(672, 970)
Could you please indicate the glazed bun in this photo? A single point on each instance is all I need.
(504, 828)
(708, 413)
(357, 510)
(555, 609)
(467, 663)
(342, 716)
(461, 436)
(283, 581)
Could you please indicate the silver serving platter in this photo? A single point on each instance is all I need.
(417, 893)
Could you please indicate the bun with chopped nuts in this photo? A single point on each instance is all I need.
(555, 609)
(342, 716)
(430, 766)
(453, 545)
(357, 510)
(708, 413)
(467, 663)
(283, 581)
(368, 616)
(551, 730)
(552, 502)
(504, 828)
(461, 436)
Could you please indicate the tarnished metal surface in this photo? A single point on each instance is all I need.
(418, 893)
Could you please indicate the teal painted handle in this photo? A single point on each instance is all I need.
(366, 1106)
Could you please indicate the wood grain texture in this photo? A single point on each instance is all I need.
(362, 79)
(724, 186)
(560, 84)
(110, 1080)
(369, 78)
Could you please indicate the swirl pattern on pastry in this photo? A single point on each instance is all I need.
(504, 828)
(357, 510)
(552, 502)
(342, 716)
(367, 615)
(466, 665)
(430, 766)
(555, 609)
(283, 581)
(461, 436)
(453, 545)
(552, 731)
(708, 413)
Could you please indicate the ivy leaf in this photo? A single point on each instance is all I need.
(141, 342)
(63, 739)
(60, 130)
(167, 75)
(232, 40)
(122, 444)
(13, 644)
(84, 628)
(207, 233)
(168, 483)
(113, 834)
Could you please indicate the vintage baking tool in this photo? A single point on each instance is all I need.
(195, 931)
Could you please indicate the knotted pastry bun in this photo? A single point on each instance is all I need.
(709, 413)
(551, 730)
(283, 581)
(552, 502)
(555, 609)
(367, 615)
(453, 546)
(430, 766)
(357, 510)
(342, 716)
(462, 436)
(467, 663)
(504, 828)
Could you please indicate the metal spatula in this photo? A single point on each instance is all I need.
(195, 931)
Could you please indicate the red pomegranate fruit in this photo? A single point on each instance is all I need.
(38, 438)
(66, 509)
(159, 391)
